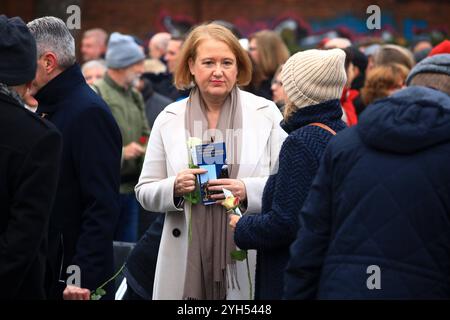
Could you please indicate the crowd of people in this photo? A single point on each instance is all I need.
(335, 154)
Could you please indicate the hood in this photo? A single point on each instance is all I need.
(410, 120)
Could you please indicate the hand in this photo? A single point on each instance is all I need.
(237, 188)
(132, 151)
(76, 293)
(234, 219)
(185, 181)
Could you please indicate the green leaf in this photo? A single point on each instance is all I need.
(238, 255)
(100, 292)
(95, 297)
(194, 196)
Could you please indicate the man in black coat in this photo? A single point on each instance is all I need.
(87, 203)
(30, 151)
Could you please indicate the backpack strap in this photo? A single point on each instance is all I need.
(323, 126)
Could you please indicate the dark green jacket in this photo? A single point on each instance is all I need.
(128, 108)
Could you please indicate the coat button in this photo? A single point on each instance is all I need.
(176, 232)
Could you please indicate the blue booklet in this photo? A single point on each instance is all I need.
(211, 157)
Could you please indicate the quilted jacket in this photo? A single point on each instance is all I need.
(376, 222)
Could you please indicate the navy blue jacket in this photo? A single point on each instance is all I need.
(272, 231)
(378, 212)
(86, 207)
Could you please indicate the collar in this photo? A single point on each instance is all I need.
(58, 88)
(322, 112)
(115, 86)
(249, 99)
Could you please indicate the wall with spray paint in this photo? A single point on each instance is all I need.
(308, 18)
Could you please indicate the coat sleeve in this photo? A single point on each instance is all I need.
(96, 155)
(255, 185)
(155, 190)
(308, 251)
(277, 227)
(31, 204)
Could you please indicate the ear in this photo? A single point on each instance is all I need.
(50, 62)
(191, 66)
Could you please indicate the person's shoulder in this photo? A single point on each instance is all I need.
(160, 99)
(88, 96)
(346, 143)
(25, 118)
(254, 101)
(171, 112)
(261, 105)
(103, 90)
(100, 83)
(31, 127)
(176, 108)
(89, 105)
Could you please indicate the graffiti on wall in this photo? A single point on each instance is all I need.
(309, 33)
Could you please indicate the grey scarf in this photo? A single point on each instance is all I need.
(210, 269)
(11, 93)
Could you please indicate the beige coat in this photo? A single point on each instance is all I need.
(167, 155)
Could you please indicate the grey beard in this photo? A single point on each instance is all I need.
(134, 82)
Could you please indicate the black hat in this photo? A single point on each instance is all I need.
(17, 52)
(359, 59)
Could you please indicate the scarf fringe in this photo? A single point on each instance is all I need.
(232, 279)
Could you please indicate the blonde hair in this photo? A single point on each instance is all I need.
(183, 76)
(289, 109)
(272, 51)
(381, 79)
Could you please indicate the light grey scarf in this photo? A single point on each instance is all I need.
(210, 269)
(11, 93)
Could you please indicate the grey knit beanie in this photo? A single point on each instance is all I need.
(314, 76)
(122, 51)
(439, 63)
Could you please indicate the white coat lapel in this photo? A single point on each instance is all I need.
(174, 139)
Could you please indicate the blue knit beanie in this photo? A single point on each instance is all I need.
(18, 55)
(439, 63)
(122, 51)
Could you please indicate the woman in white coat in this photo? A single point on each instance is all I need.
(200, 266)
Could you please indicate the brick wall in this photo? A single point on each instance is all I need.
(141, 17)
